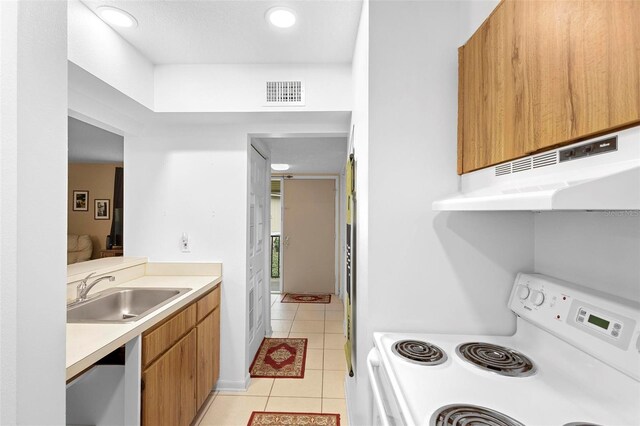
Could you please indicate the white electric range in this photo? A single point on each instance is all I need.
(574, 360)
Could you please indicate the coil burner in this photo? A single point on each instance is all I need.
(419, 352)
(463, 414)
(497, 359)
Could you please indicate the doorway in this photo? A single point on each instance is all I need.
(275, 258)
(309, 235)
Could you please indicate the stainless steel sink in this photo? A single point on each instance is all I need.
(121, 305)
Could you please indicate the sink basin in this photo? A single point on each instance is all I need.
(121, 305)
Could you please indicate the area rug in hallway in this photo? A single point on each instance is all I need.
(306, 298)
(283, 358)
(265, 418)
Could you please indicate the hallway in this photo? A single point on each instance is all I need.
(322, 388)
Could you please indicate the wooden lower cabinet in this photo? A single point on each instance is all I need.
(181, 363)
(168, 396)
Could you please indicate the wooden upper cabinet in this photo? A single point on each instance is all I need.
(539, 74)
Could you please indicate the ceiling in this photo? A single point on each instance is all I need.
(235, 31)
(315, 155)
(90, 144)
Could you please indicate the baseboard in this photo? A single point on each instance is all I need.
(234, 386)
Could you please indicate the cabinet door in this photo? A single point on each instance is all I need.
(168, 397)
(586, 68)
(216, 345)
(208, 332)
(205, 359)
(494, 91)
(540, 74)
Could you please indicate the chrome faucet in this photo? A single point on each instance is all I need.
(83, 288)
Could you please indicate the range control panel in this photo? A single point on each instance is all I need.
(601, 325)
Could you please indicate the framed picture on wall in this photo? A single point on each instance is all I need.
(81, 201)
(102, 209)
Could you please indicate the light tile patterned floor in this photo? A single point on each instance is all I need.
(321, 390)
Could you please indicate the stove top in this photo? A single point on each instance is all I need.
(464, 414)
(561, 391)
(497, 359)
(419, 352)
(573, 360)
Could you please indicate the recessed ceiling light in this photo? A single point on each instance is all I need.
(280, 167)
(118, 17)
(281, 17)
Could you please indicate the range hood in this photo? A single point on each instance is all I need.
(599, 174)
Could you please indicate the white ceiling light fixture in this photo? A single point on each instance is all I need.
(280, 167)
(281, 17)
(118, 17)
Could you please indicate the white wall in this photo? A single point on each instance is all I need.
(241, 87)
(600, 250)
(96, 47)
(472, 14)
(194, 179)
(33, 167)
(424, 271)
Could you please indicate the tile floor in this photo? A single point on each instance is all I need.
(322, 388)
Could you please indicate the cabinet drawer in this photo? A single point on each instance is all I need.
(166, 334)
(208, 303)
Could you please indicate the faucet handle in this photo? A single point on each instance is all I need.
(85, 279)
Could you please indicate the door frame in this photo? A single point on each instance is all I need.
(337, 290)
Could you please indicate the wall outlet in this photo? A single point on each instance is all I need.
(184, 243)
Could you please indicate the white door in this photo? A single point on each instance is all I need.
(257, 254)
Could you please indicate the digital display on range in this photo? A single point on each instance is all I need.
(603, 323)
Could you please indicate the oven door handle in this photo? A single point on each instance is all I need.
(373, 361)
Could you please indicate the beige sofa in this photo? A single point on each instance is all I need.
(79, 248)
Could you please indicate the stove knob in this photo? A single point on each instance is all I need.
(537, 297)
(523, 292)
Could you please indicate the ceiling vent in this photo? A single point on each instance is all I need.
(285, 93)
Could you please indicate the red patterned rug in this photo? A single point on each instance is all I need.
(283, 358)
(265, 418)
(306, 298)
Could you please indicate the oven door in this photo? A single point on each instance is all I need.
(385, 409)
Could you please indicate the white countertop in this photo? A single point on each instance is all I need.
(87, 343)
